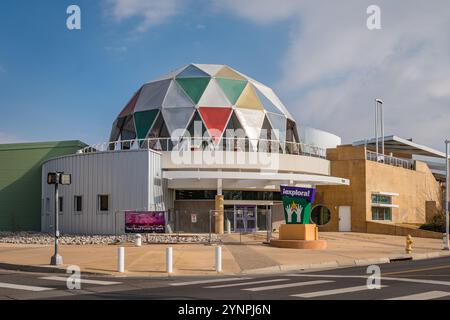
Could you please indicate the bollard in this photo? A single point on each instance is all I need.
(219, 259)
(138, 240)
(228, 226)
(169, 260)
(121, 259)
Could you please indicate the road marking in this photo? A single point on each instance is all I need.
(331, 292)
(245, 283)
(442, 283)
(419, 269)
(289, 285)
(424, 296)
(188, 283)
(22, 287)
(99, 282)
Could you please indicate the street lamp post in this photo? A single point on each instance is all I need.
(56, 259)
(447, 184)
(57, 178)
(379, 117)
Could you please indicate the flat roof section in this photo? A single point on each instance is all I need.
(407, 146)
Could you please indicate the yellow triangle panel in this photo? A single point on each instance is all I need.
(249, 99)
(227, 73)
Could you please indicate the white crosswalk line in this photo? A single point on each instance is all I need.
(23, 287)
(288, 285)
(188, 283)
(423, 296)
(332, 292)
(86, 281)
(244, 283)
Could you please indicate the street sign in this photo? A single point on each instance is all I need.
(59, 177)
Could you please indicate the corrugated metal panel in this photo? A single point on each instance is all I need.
(127, 177)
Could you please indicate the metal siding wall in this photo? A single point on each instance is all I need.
(126, 176)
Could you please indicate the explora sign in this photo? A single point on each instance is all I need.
(297, 204)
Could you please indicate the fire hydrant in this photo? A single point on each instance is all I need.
(409, 242)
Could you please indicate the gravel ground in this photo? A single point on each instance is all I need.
(45, 238)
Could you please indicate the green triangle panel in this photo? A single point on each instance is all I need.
(143, 121)
(232, 88)
(194, 87)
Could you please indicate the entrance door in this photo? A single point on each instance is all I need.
(245, 218)
(345, 218)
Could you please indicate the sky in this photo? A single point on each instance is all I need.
(319, 57)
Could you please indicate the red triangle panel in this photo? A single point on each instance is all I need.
(215, 118)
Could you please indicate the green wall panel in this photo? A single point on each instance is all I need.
(232, 88)
(20, 181)
(194, 87)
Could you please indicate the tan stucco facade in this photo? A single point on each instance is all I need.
(414, 191)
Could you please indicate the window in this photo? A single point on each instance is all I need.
(320, 215)
(381, 199)
(78, 204)
(381, 213)
(103, 202)
(47, 205)
(60, 204)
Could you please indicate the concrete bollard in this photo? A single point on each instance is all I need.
(121, 259)
(219, 259)
(228, 226)
(169, 260)
(138, 240)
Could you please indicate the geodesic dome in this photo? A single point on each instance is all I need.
(217, 96)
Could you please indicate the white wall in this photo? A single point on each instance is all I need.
(132, 179)
(318, 137)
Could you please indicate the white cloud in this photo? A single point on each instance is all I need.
(151, 12)
(334, 66)
(8, 138)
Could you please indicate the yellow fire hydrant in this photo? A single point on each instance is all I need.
(409, 242)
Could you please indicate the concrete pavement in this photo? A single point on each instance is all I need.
(244, 254)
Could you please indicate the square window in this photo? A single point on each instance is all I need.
(78, 204)
(103, 202)
(60, 204)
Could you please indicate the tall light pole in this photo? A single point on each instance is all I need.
(447, 184)
(379, 117)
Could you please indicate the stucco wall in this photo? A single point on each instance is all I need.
(415, 188)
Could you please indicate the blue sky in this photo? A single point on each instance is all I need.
(319, 56)
(61, 84)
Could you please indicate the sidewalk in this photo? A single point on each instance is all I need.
(252, 256)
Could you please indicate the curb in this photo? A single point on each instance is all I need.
(267, 270)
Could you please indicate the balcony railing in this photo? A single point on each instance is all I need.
(389, 160)
(197, 144)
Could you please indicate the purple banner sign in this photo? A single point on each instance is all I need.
(298, 192)
(144, 222)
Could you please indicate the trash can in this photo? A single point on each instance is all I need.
(138, 240)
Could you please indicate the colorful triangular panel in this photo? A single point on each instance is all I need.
(192, 72)
(273, 98)
(152, 95)
(129, 108)
(213, 96)
(194, 87)
(215, 120)
(249, 99)
(210, 69)
(232, 88)
(143, 121)
(278, 123)
(267, 104)
(227, 73)
(176, 97)
(171, 74)
(177, 118)
(252, 121)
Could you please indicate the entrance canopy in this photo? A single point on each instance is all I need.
(399, 145)
(243, 177)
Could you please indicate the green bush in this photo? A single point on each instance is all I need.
(437, 224)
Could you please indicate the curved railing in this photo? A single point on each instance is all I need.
(196, 144)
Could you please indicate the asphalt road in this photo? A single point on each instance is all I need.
(418, 280)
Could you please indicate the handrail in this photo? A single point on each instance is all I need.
(196, 144)
(390, 160)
